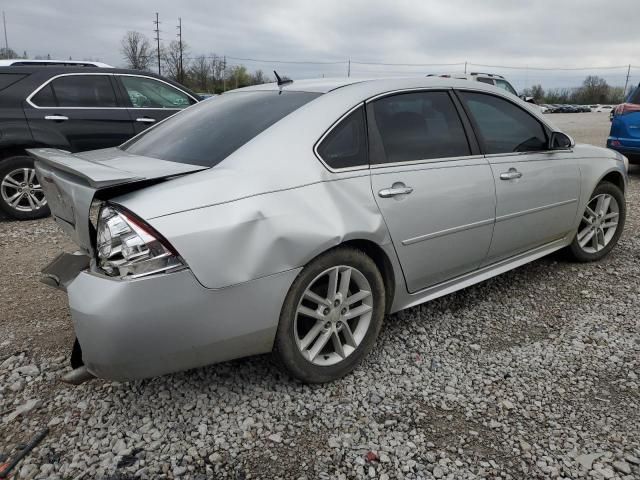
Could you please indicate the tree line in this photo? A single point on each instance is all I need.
(202, 73)
(594, 90)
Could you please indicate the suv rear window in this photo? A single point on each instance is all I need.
(207, 133)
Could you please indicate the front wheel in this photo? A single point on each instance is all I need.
(601, 225)
(331, 316)
(21, 195)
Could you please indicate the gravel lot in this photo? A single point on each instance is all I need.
(533, 374)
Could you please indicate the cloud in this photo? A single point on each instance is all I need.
(546, 33)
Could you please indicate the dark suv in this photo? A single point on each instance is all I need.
(74, 109)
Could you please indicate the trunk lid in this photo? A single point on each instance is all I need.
(71, 181)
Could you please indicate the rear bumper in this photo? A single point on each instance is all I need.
(166, 323)
(632, 152)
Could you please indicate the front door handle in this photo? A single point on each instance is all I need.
(512, 174)
(396, 189)
(56, 118)
(146, 120)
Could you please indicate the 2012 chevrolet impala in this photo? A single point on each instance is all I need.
(292, 217)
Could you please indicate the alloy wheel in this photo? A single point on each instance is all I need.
(333, 315)
(21, 190)
(599, 223)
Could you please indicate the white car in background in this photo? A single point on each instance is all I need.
(602, 108)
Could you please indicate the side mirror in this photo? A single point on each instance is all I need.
(529, 99)
(560, 141)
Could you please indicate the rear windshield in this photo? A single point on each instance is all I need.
(210, 131)
(635, 96)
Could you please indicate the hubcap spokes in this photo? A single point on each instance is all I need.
(21, 190)
(333, 315)
(599, 223)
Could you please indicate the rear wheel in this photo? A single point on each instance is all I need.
(21, 195)
(331, 316)
(601, 225)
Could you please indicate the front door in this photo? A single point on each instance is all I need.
(436, 196)
(151, 100)
(537, 189)
(78, 112)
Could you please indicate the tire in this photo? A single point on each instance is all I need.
(584, 248)
(329, 320)
(18, 173)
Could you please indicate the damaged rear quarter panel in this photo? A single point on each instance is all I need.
(253, 237)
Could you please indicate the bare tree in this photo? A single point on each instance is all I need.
(199, 73)
(6, 53)
(171, 60)
(137, 51)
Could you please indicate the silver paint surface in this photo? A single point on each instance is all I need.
(249, 225)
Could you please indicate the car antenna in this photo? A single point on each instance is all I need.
(282, 81)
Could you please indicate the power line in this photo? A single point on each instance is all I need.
(548, 68)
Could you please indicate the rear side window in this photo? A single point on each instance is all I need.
(210, 131)
(146, 92)
(346, 145)
(72, 91)
(503, 84)
(504, 127)
(45, 97)
(417, 126)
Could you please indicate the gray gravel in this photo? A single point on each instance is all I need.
(533, 374)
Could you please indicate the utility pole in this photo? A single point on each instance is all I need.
(180, 71)
(626, 83)
(157, 30)
(6, 42)
(224, 73)
(465, 67)
(349, 68)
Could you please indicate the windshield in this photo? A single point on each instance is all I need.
(210, 131)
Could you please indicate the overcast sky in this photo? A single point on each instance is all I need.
(539, 33)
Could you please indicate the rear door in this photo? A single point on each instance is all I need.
(78, 112)
(435, 192)
(150, 100)
(537, 189)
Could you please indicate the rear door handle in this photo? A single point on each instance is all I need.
(396, 189)
(56, 118)
(512, 174)
(146, 120)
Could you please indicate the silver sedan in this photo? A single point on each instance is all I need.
(290, 218)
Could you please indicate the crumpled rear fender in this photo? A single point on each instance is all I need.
(238, 241)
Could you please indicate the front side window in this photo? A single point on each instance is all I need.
(210, 131)
(418, 126)
(346, 145)
(503, 127)
(149, 93)
(503, 84)
(87, 91)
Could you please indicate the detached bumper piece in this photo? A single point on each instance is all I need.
(64, 269)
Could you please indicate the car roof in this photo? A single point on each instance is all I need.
(59, 69)
(50, 62)
(326, 85)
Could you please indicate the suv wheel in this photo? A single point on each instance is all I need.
(21, 195)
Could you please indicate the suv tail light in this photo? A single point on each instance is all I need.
(625, 108)
(129, 248)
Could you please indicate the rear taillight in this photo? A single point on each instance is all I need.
(625, 108)
(128, 248)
